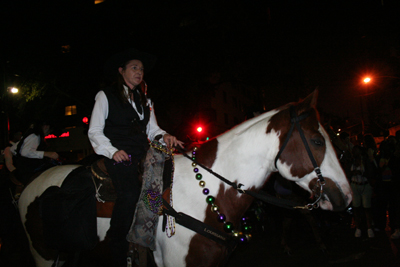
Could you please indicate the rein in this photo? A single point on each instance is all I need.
(283, 203)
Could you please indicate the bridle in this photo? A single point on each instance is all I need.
(295, 121)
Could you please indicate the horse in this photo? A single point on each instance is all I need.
(289, 140)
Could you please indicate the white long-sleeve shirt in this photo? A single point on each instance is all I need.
(29, 147)
(100, 143)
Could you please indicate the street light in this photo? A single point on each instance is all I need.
(370, 83)
(13, 90)
(369, 79)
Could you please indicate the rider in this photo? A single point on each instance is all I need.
(30, 154)
(122, 121)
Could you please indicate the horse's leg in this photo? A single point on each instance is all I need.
(287, 221)
(314, 227)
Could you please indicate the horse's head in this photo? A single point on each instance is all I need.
(298, 127)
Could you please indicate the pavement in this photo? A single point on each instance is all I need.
(337, 232)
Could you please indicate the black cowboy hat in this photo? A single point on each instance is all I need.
(114, 62)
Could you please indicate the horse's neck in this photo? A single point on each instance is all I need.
(246, 154)
(243, 155)
(238, 165)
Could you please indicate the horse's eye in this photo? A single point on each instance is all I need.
(318, 142)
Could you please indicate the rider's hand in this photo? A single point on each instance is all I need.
(120, 155)
(171, 141)
(52, 155)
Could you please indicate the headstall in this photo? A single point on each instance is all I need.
(295, 121)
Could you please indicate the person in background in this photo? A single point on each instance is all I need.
(16, 186)
(361, 170)
(122, 121)
(387, 193)
(346, 157)
(394, 164)
(8, 154)
(30, 153)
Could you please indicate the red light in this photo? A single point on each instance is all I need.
(85, 120)
(199, 129)
(50, 136)
(65, 134)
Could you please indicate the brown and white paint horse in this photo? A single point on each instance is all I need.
(246, 154)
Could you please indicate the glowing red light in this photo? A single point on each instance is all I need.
(85, 120)
(199, 129)
(65, 134)
(50, 136)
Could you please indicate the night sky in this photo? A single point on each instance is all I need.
(288, 47)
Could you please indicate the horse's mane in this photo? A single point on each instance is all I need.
(237, 129)
(253, 121)
(242, 127)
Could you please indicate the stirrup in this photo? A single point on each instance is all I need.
(137, 255)
(14, 200)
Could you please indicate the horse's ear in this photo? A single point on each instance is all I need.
(309, 102)
(314, 98)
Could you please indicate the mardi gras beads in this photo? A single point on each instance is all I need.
(243, 236)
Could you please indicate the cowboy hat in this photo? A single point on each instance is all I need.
(114, 62)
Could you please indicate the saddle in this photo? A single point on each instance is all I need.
(105, 191)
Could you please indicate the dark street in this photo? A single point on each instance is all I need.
(342, 248)
(98, 83)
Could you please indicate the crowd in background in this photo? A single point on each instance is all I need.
(374, 173)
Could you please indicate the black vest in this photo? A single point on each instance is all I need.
(124, 128)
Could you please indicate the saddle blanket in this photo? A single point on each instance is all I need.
(148, 208)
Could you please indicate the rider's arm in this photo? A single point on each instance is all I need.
(153, 129)
(29, 147)
(8, 159)
(100, 143)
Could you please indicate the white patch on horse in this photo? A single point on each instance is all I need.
(245, 155)
(103, 224)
